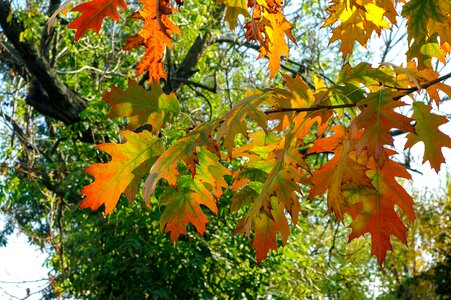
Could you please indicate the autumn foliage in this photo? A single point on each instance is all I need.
(360, 177)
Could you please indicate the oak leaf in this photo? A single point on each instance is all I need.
(183, 150)
(155, 36)
(93, 13)
(129, 161)
(269, 27)
(374, 212)
(377, 119)
(428, 29)
(182, 206)
(210, 172)
(285, 169)
(411, 77)
(235, 120)
(426, 131)
(339, 173)
(152, 107)
(357, 21)
(185, 193)
(265, 235)
(233, 10)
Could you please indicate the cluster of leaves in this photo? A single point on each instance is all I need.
(269, 135)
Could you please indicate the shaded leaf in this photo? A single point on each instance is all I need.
(428, 20)
(185, 149)
(374, 210)
(152, 107)
(235, 120)
(233, 10)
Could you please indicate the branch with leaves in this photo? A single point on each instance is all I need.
(269, 135)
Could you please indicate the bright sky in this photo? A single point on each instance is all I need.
(21, 267)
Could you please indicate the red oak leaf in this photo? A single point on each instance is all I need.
(93, 13)
(182, 206)
(374, 210)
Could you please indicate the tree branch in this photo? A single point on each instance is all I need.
(424, 86)
(350, 105)
(48, 94)
(186, 68)
(313, 108)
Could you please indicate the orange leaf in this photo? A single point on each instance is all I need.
(374, 210)
(122, 174)
(155, 36)
(93, 13)
(338, 174)
(265, 235)
(269, 27)
(182, 206)
(377, 119)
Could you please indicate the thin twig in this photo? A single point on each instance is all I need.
(301, 109)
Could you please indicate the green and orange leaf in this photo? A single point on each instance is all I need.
(428, 28)
(182, 206)
(235, 120)
(377, 119)
(152, 107)
(284, 170)
(338, 174)
(129, 162)
(210, 172)
(183, 150)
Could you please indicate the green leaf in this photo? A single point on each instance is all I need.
(426, 131)
(152, 107)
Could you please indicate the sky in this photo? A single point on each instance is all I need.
(21, 267)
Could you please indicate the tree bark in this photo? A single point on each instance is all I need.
(48, 94)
